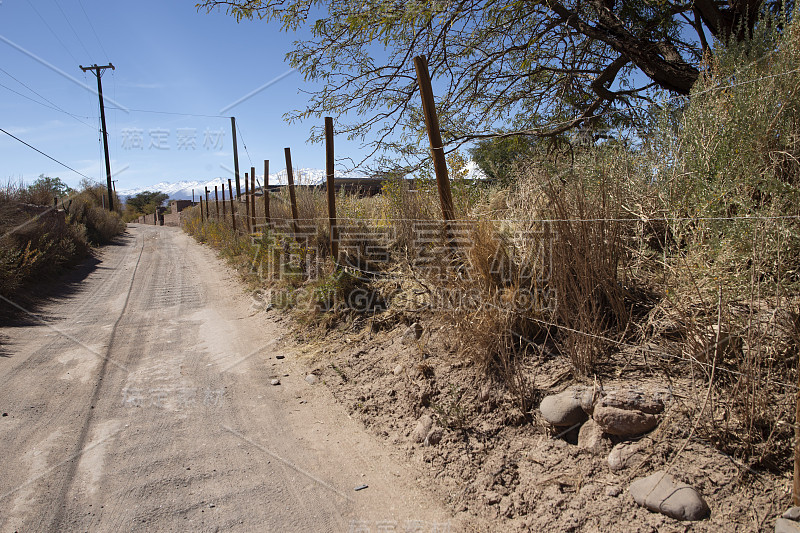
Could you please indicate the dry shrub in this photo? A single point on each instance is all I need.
(36, 244)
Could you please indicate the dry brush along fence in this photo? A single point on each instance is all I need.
(573, 264)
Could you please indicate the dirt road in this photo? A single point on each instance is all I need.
(142, 401)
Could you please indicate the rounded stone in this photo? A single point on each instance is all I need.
(563, 409)
(661, 493)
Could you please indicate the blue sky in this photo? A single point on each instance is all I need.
(168, 57)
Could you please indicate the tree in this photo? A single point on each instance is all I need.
(146, 202)
(497, 157)
(525, 67)
(44, 189)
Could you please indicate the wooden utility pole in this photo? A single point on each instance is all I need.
(233, 210)
(266, 192)
(216, 200)
(253, 198)
(290, 180)
(98, 72)
(331, 188)
(235, 158)
(435, 137)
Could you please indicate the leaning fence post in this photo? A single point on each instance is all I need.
(266, 192)
(331, 188)
(233, 210)
(290, 180)
(435, 137)
(216, 200)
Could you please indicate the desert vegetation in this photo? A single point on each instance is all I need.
(47, 226)
(672, 254)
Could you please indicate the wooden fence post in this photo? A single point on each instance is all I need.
(235, 158)
(224, 210)
(435, 137)
(207, 216)
(233, 210)
(201, 208)
(266, 192)
(253, 198)
(331, 188)
(216, 200)
(796, 480)
(247, 202)
(290, 180)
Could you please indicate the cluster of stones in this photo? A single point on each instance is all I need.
(789, 522)
(622, 414)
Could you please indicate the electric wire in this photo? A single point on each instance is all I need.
(72, 28)
(49, 156)
(80, 3)
(53, 32)
(55, 108)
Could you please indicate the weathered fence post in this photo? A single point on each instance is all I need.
(233, 210)
(247, 202)
(224, 210)
(253, 198)
(201, 208)
(207, 216)
(331, 188)
(216, 200)
(796, 480)
(235, 158)
(292, 197)
(266, 192)
(435, 137)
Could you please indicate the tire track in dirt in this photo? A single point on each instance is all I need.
(61, 501)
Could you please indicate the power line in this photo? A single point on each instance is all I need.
(93, 31)
(52, 105)
(53, 32)
(49, 156)
(72, 28)
(168, 112)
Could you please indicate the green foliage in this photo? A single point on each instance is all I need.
(45, 188)
(503, 66)
(147, 202)
(498, 158)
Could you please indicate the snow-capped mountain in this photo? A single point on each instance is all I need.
(182, 190)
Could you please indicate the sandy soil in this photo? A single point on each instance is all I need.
(140, 399)
(496, 466)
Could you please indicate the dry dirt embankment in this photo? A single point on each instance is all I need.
(142, 401)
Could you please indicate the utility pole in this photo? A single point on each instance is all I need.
(236, 159)
(98, 72)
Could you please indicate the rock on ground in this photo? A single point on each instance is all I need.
(424, 425)
(785, 525)
(622, 422)
(563, 409)
(592, 439)
(661, 493)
